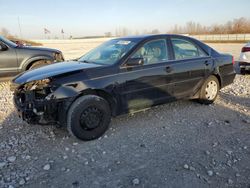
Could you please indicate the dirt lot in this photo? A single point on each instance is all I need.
(181, 144)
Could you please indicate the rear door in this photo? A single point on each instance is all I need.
(8, 61)
(189, 67)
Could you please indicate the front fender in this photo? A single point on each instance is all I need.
(64, 92)
(72, 91)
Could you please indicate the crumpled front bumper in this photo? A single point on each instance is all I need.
(35, 111)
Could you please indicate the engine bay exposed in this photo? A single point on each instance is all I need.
(30, 98)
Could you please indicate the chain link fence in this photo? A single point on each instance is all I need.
(224, 37)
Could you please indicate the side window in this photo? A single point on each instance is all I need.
(153, 52)
(184, 49)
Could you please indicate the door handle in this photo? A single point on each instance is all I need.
(168, 69)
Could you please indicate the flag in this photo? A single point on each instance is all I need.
(46, 31)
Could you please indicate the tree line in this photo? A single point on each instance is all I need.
(236, 26)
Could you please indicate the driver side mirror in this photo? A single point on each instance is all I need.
(3, 47)
(135, 62)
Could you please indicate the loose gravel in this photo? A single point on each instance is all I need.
(180, 144)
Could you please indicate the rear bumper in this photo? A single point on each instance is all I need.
(244, 66)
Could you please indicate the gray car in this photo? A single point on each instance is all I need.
(15, 59)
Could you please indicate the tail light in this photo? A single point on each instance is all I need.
(233, 60)
(245, 49)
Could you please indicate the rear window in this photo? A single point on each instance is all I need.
(183, 49)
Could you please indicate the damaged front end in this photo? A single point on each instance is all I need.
(43, 95)
(35, 103)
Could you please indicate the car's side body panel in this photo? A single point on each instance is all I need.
(15, 59)
(224, 69)
(144, 86)
(25, 61)
(125, 88)
(8, 61)
(187, 76)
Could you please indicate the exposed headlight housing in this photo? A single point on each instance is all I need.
(38, 84)
(40, 88)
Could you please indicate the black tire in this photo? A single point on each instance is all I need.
(242, 71)
(38, 64)
(88, 117)
(204, 96)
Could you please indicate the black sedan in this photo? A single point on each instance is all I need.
(121, 76)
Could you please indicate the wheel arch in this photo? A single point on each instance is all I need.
(219, 79)
(26, 65)
(105, 95)
(197, 93)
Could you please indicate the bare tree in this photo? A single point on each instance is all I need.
(108, 34)
(122, 31)
(137, 32)
(155, 31)
(125, 31)
(144, 32)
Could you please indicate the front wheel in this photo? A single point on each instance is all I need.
(88, 117)
(209, 90)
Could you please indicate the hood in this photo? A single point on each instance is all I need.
(38, 48)
(52, 70)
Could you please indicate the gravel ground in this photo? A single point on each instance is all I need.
(180, 144)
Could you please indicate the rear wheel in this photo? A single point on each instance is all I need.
(88, 117)
(209, 90)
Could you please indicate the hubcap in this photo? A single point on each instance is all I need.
(211, 90)
(91, 118)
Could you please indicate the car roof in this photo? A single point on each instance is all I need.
(149, 36)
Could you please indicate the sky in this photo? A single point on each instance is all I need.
(95, 17)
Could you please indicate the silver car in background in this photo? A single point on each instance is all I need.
(244, 61)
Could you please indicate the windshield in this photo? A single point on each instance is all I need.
(109, 52)
(8, 42)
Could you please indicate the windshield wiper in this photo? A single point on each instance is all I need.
(86, 61)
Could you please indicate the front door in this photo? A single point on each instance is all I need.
(8, 61)
(147, 84)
